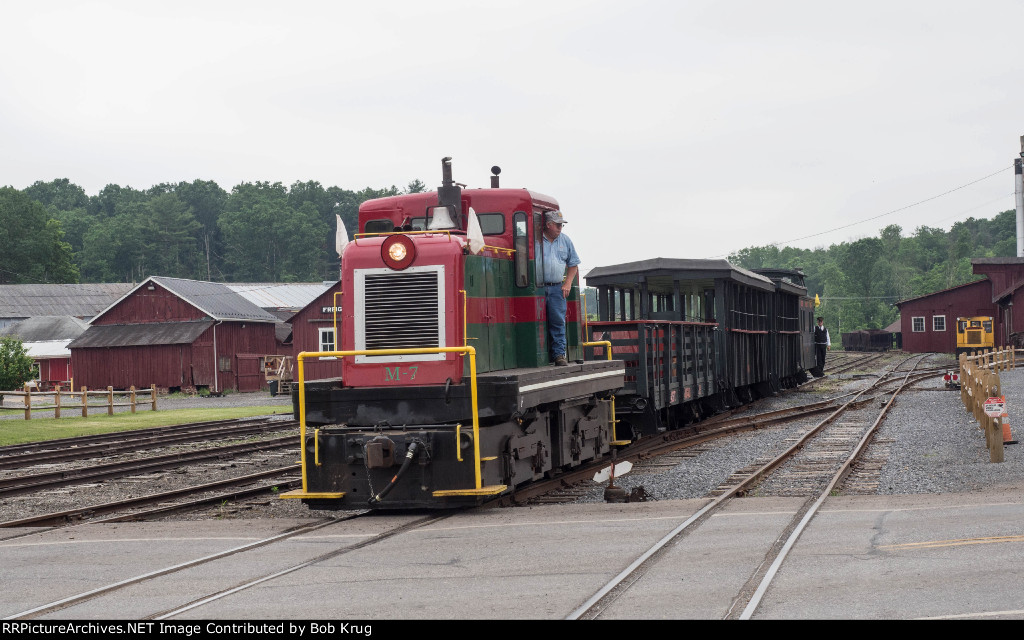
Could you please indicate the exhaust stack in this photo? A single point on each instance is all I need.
(450, 193)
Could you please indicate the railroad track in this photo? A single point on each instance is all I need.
(66, 449)
(237, 487)
(256, 549)
(821, 469)
(218, 585)
(28, 483)
(38, 497)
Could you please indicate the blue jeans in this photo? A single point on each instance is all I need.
(556, 308)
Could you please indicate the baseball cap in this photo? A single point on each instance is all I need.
(556, 217)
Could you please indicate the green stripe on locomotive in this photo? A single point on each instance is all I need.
(505, 343)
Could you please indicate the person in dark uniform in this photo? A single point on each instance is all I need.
(822, 343)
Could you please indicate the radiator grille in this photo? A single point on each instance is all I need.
(973, 337)
(401, 310)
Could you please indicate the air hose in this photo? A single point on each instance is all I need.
(410, 454)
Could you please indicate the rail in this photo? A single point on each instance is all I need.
(29, 397)
(979, 381)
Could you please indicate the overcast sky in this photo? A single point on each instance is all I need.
(664, 129)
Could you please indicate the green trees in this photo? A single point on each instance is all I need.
(267, 239)
(197, 230)
(33, 243)
(859, 282)
(15, 364)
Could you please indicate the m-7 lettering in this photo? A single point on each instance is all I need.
(395, 374)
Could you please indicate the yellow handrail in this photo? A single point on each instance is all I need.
(608, 347)
(335, 311)
(465, 326)
(389, 352)
(357, 236)
(583, 296)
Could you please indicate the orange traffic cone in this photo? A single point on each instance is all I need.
(1007, 436)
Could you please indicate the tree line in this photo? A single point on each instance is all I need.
(53, 232)
(859, 282)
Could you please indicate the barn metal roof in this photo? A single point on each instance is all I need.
(214, 299)
(268, 295)
(48, 349)
(80, 300)
(45, 328)
(147, 334)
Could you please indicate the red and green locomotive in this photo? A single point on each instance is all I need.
(446, 396)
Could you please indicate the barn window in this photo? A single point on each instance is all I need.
(225, 363)
(327, 341)
(917, 324)
(938, 323)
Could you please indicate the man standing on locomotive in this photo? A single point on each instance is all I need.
(560, 269)
(822, 343)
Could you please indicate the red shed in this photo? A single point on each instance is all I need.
(928, 323)
(1007, 277)
(313, 330)
(46, 339)
(176, 334)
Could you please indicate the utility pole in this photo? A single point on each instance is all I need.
(1019, 192)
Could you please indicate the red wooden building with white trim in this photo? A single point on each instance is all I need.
(176, 334)
(928, 322)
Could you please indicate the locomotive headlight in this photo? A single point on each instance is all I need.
(398, 252)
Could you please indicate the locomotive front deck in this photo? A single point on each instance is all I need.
(501, 394)
(409, 447)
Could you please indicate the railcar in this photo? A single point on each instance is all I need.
(974, 334)
(792, 315)
(698, 337)
(867, 340)
(446, 396)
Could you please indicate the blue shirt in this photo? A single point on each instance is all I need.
(558, 255)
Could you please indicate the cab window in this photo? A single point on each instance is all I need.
(379, 226)
(491, 224)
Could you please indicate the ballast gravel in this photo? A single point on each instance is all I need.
(929, 442)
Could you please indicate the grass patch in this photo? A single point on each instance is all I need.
(39, 429)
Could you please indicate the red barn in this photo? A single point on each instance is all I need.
(176, 334)
(928, 323)
(1007, 277)
(313, 330)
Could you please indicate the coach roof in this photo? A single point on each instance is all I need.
(669, 269)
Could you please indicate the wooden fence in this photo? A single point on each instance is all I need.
(83, 400)
(979, 381)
